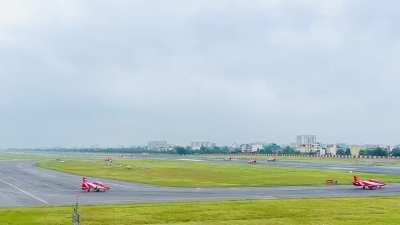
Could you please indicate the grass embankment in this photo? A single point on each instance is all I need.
(201, 174)
(335, 211)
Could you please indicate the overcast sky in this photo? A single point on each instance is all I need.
(83, 72)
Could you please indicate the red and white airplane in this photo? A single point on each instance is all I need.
(370, 184)
(252, 161)
(87, 186)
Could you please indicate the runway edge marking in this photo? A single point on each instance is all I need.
(25, 192)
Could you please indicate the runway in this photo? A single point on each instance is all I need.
(23, 184)
(382, 169)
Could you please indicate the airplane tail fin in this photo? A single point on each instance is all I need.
(355, 178)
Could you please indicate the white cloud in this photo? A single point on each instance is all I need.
(14, 13)
(224, 70)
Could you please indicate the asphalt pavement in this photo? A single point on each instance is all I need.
(23, 184)
(368, 168)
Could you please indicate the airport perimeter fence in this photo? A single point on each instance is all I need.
(316, 156)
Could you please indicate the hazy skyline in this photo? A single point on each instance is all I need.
(82, 72)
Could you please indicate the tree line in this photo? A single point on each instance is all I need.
(266, 149)
(182, 150)
(380, 152)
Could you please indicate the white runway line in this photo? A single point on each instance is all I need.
(25, 192)
(192, 160)
(269, 197)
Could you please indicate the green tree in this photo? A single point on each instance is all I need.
(270, 148)
(340, 151)
(374, 152)
(289, 150)
(181, 150)
(396, 152)
(379, 152)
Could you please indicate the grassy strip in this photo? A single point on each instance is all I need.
(330, 211)
(201, 174)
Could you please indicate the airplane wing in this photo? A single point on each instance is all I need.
(372, 183)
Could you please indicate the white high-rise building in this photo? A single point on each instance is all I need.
(306, 143)
(196, 145)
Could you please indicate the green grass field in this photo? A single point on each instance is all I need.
(201, 174)
(329, 211)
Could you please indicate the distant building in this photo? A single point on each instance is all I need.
(255, 147)
(160, 146)
(306, 143)
(250, 148)
(196, 145)
(322, 151)
(319, 148)
(331, 149)
(234, 147)
(245, 148)
(306, 140)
